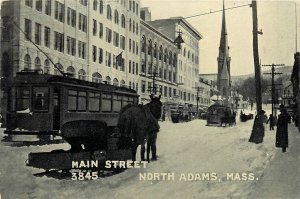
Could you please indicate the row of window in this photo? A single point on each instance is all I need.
(96, 102)
(59, 14)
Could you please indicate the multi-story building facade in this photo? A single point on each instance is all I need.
(188, 57)
(159, 59)
(80, 37)
(204, 92)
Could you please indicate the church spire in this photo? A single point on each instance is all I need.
(223, 41)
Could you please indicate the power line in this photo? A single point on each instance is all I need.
(211, 12)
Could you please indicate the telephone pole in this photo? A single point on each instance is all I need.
(198, 88)
(153, 89)
(256, 58)
(273, 73)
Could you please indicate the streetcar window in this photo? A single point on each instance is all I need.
(72, 100)
(40, 98)
(23, 98)
(125, 101)
(94, 101)
(81, 105)
(106, 102)
(117, 101)
(130, 100)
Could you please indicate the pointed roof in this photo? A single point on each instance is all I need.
(224, 39)
(224, 73)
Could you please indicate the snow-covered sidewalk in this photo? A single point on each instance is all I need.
(281, 180)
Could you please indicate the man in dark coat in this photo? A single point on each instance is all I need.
(282, 129)
(272, 122)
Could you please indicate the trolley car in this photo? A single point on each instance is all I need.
(215, 113)
(40, 104)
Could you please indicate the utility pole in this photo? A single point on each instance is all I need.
(197, 97)
(153, 75)
(273, 73)
(256, 58)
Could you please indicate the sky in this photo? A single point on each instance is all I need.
(277, 19)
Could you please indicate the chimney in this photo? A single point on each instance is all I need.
(146, 14)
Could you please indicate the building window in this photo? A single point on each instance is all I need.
(108, 59)
(59, 11)
(143, 89)
(116, 82)
(108, 16)
(129, 66)
(47, 37)
(101, 7)
(71, 46)
(47, 67)
(27, 62)
(143, 67)
(116, 17)
(71, 17)
(95, 6)
(37, 63)
(81, 74)
(116, 39)
(137, 28)
(100, 30)
(38, 30)
(137, 68)
(48, 7)
(100, 55)
(129, 45)
(94, 27)
(108, 35)
(108, 80)
(137, 9)
(59, 42)
(81, 49)
(82, 22)
(123, 21)
(28, 3)
(130, 24)
(96, 77)
(28, 29)
(122, 83)
(133, 26)
(60, 67)
(38, 5)
(122, 42)
(83, 2)
(94, 53)
(71, 71)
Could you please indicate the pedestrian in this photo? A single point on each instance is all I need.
(271, 120)
(258, 131)
(282, 129)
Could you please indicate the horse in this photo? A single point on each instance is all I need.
(230, 120)
(137, 122)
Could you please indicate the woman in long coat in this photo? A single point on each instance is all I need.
(282, 129)
(258, 131)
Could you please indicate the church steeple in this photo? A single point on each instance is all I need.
(223, 49)
(224, 79)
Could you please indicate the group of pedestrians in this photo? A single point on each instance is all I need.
(281, 139)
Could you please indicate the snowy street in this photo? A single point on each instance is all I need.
(206, 161)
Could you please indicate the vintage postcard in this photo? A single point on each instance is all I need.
(149, 99)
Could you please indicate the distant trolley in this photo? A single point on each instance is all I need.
(40, 104)
(215, 113)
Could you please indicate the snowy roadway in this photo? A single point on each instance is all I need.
(203, 162)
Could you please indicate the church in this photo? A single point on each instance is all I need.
(223, 77)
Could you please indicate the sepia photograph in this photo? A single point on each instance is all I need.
(152, 99)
